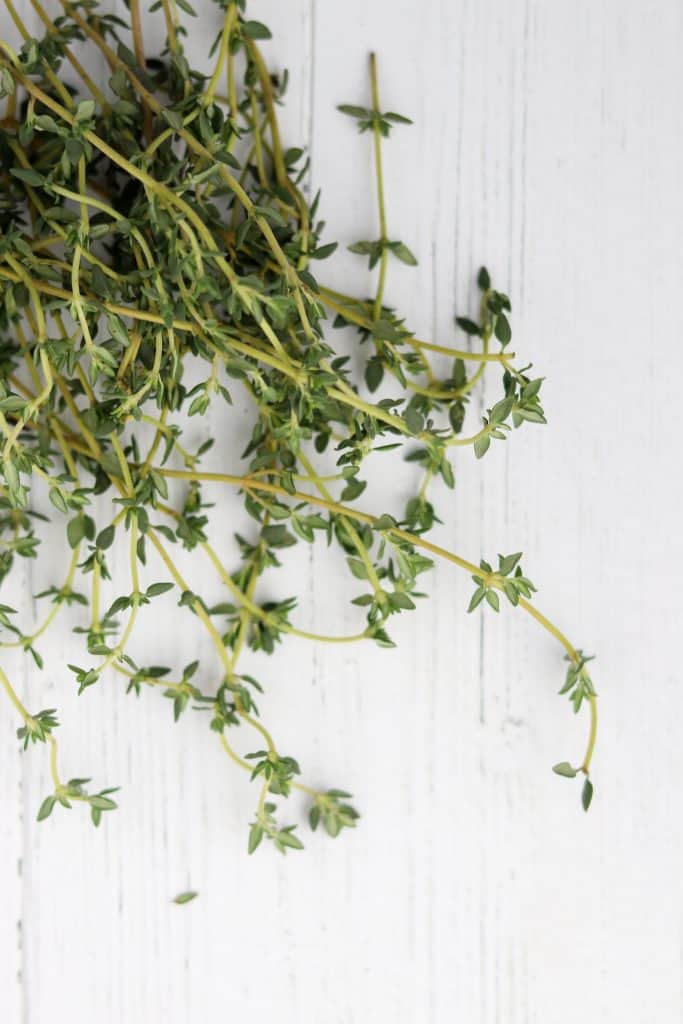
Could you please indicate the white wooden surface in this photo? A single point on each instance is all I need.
(547, 143)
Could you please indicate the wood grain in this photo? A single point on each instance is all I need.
(547, 143)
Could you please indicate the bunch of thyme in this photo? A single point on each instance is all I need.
(160, 220)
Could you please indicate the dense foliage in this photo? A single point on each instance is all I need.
(159, 223)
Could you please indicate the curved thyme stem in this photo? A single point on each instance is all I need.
(30, 638)
(249, 484)
(458, 441)
(72, 59)
(575, 657)
(246, 600)
(11, 693)
(455, 353)
(53, 765)
(379, 175)
(211, 630)
(228, 27)
(358, 543)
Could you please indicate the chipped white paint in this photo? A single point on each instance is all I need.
(547, 142)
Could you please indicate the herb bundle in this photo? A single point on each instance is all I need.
(160, 223)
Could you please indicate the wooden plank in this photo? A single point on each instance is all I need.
(16, 768)
(13, 772)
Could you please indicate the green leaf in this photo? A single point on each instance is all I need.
(85, 110)
(28, 176)
(255, 837)
(358, 112)
(587, 794)
(483, 280)
(102, 803)
(75, 530)
(185, 897)
(401, 600)
(362, 248)
(159, 588)
(36, 656)
(531, 389)
(502, 329)
(354, 489)
(413, 420)
(11, 474)
(57, 499)
(105, 538)
(565, 769)
(46, 123)
(501, 410)
(255, 30)
(323, 251)
(174, 119)
(289, 840)
(374, 372)
(13, 403)
(46, 808)
(467, 325)
(6, 82)
(385, 331)
(117, 329)
(403, 253)
(384, 522)
(332, 825)
(507, 563)
(358, 569)
(481, 445)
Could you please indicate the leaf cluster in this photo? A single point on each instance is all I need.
(159, 257)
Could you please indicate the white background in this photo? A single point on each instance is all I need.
(547, 143)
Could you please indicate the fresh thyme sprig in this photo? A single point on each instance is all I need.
(160, 222)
